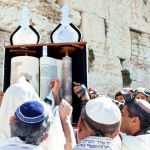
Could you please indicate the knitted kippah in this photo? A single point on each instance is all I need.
(31, 112)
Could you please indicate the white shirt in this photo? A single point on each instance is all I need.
(14, 96)
(140, 142)
(56, 139)
(99, 143)
(15, 143)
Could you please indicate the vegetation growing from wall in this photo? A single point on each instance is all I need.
(126, 77)
(91, 59)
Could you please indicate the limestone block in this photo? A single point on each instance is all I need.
(140, 73)
(75, 17)
(106, 75)
(94, 32)
(140, 15)
(140, 47)
(118, 41)
(95, 7)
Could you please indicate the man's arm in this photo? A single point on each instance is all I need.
(65, 111)
(81, 91)
(56, 89)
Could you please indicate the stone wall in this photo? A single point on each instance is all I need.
(117, 33)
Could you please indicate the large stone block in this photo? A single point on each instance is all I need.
(106, 75)
(140, 73)
(96, 7)
(94, 32)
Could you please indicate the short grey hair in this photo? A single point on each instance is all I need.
(30, 133)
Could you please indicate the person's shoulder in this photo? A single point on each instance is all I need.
(38, 148)
(140, 142)
(145, 138)
(95, 142)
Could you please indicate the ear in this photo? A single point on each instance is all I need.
(135, 121)
(11, 118)
(80, 124)
(135, 125)
(45, 136)
(115, 133)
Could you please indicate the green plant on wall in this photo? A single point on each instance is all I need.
(91, 58)
(126, 77)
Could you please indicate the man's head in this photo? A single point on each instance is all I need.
(99, 117)
(119, 97)
(135, 116)
(30, 122)
(141, 93)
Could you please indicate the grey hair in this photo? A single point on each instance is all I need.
(30, 133)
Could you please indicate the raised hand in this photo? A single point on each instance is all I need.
(65, 110)
(56, 89)
(81, 91)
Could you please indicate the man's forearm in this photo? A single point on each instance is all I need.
(69, 134)
(57, 98)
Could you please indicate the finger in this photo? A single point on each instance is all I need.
(52, 83)
(61, 107)
(75, 83)
(77, 87)
(77, 90)
(91, 89)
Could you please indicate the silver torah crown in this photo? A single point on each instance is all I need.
(65, 31)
